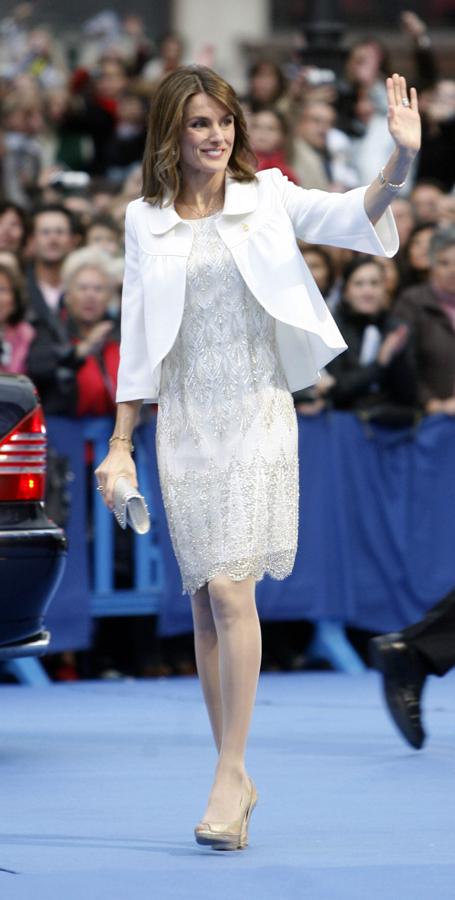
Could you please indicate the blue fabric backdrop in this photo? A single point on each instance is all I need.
(376, 539)
(376, 542)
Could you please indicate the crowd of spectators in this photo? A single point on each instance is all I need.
(71, 142)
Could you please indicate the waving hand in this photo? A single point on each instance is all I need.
(403, 114)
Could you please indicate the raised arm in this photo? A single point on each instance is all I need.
(404, 126)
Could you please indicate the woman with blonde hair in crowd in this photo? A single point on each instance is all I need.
(75, 369)
(89, 278)
(220, 321)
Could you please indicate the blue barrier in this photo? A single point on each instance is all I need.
(88, 583)
(377, 513)
(84, 595)
(143, 597)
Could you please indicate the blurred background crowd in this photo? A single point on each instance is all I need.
(73, 112)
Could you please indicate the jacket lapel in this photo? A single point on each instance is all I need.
(161, 218)
(240, 198)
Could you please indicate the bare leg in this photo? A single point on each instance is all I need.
(239, 647)
(206, 647)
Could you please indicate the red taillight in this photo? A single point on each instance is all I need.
(23, 459)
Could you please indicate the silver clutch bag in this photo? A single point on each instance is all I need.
(130, 507)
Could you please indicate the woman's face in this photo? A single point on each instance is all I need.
(266, 132)
(103, 238)
(11, 231)
(404, 218)
(391, 274)
(425, 199)
(265, 83)
(88, 296)
(364, 290)
(363, 64)
(132, 186)
(112, 80)
(418, 249)
(7, 303)
(207, 137)
(443, 270)
(318, 268)
(171, 50)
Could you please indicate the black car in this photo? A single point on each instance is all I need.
(32, 548)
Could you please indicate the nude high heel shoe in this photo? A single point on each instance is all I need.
(234, 836)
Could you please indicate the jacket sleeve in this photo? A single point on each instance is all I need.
(134, 376)
(340, 220)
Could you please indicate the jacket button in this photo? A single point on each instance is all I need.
(245, 226)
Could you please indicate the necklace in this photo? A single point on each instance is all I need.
(213, 207)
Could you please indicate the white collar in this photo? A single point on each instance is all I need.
(240, 198)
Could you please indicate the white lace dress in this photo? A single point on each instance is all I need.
(226, 431)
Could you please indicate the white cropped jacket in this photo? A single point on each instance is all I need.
(259, 224)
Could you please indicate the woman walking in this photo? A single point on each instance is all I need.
(220, 321)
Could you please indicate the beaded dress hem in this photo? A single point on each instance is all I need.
(277, 566)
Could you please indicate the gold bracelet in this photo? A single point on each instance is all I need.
(122, 437)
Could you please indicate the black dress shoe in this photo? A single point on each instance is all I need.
(403, 680)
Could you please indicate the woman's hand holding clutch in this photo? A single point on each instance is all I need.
(117, 464)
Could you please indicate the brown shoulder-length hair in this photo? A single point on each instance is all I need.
(162, 176)
(20, 296)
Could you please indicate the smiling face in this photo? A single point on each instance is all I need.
(266, 132)
(88, 296)
(207, 137)
(364, 290)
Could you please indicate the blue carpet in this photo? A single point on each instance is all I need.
(102, 783)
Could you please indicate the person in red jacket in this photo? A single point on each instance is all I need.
(269, 135)
(89, 287)
(74, 363)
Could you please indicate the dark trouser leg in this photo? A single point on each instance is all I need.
(434, 636)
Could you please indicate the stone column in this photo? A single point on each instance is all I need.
(223, 24)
